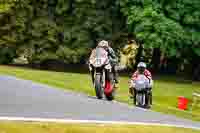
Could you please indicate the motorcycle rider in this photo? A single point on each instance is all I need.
(112, 58)
(141, 69)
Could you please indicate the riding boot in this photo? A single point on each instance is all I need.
(150, 97)
(134, 96)
(147, 98)
(131, 93)
(92, 75)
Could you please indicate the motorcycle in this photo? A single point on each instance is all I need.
(143, 94)
(102, 74)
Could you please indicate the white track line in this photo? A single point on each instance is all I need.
(91, 122)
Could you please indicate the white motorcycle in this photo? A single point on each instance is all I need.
(141, 86)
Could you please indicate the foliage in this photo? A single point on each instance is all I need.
(68, 29)
(171, 25)
(129, 53)
(7, 32)
(63, 29)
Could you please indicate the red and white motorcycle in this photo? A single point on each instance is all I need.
(102, 74)
(143, 93)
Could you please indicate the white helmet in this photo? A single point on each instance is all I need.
(103, 43)
(142, 64)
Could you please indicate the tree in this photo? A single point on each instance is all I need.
(169, 25)
(7, 32)
(65, 29)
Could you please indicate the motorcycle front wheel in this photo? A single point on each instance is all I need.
(140, 99)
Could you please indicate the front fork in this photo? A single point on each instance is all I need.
(105, 75)
(94, 73)
(149, 96)
(131, 87)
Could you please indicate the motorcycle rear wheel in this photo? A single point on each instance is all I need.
(98, 86)
(111, 96)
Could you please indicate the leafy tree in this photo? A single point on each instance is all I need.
(7, 32)
(65, 29)
(169, 25)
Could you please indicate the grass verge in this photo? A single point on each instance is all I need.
(36, 127)
(165, 92)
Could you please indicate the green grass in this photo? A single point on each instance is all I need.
(165, 92)
(22, 127)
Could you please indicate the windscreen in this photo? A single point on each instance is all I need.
(101, 53)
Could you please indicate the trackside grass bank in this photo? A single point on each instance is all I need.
(36, 127)
(165, 90)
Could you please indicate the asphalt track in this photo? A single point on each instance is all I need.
(28, 100)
